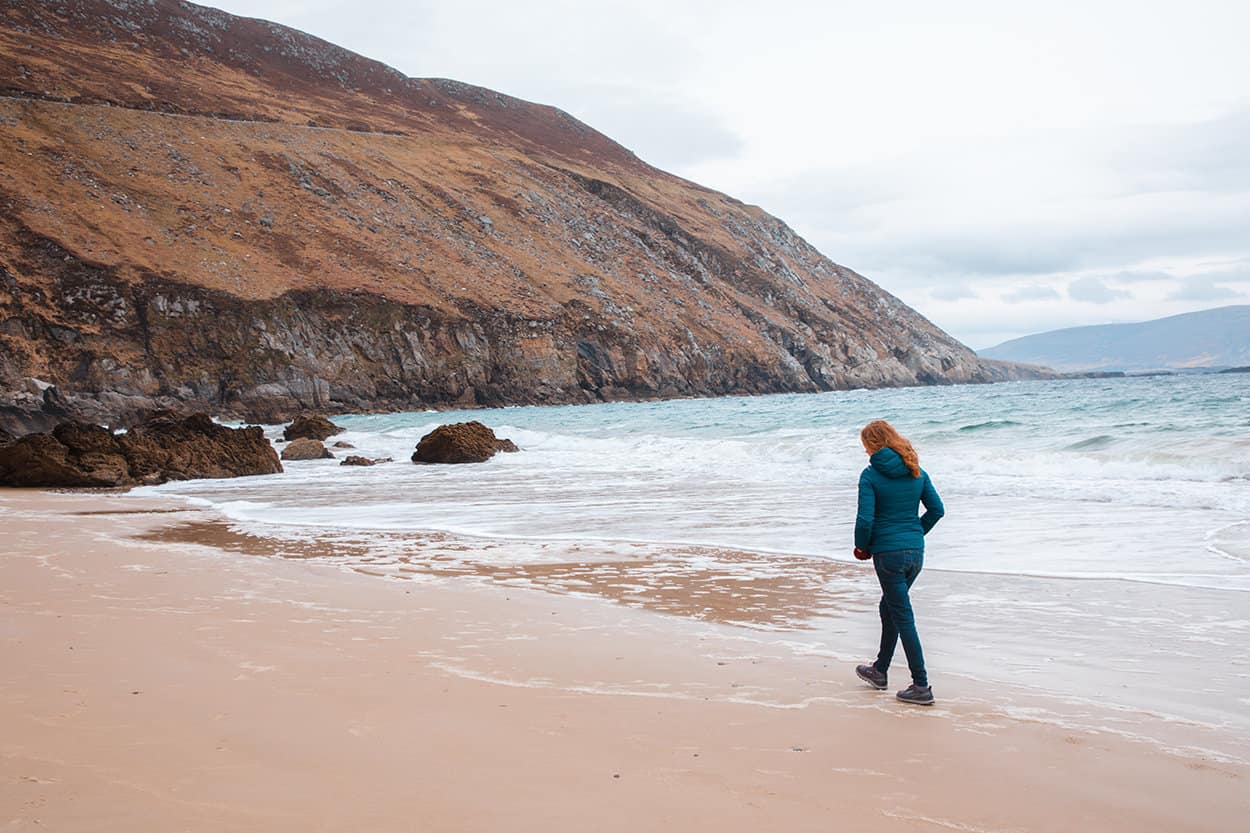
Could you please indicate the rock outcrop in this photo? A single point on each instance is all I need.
(235, 216)
(166, 447)
(460, 442)
(73, 454)
(304, 448)
(312, 427)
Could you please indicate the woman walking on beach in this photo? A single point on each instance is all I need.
(888, 530)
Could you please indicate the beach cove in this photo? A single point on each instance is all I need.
(318, 650)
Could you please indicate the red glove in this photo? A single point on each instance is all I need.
(862, 555)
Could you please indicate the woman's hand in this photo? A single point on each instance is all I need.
(862, 555)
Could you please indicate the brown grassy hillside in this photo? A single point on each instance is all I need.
(230, 213)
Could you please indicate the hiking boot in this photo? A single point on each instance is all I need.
(921, 695)
(870, 675)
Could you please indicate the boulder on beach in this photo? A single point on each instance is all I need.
(343, 444)
(312, 427)
(165, 447)
(461, 442)
(303, 448)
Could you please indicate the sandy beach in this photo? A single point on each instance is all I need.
(163, 683)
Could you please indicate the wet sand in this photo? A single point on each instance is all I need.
(157, 682)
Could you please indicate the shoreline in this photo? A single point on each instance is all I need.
(289, 695)
(122, 419)
(1021, 636)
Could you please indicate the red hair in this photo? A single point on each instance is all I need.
(880, 434)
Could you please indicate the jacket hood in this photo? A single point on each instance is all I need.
(887, 462)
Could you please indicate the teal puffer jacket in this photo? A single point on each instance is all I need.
(888, 501)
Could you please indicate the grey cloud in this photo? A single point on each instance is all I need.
(1141, 276)
(999, 257)
(1094, 291)
(409, 29)
(895, 217)
(920, 258)
(1032, 292)
(840, 195)
(1204, 288)
(1204, 156)
(1071, 246)
(665, 131)
(955, 292)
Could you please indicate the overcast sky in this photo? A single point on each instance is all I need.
(1004, 168)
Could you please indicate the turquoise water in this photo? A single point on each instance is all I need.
(1096, 544)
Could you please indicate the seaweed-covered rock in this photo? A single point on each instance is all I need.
(312, 427)
(357, 460)
(303, 448)
(166, 447)
(461, 442)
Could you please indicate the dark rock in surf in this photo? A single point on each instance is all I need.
(357, 460)
(312, 427)
(461, 442)
(303, 448)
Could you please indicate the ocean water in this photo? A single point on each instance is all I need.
(1144, 479)
(1097, 531)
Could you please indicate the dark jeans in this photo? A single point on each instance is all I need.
(896, 571)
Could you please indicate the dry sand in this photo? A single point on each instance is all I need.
(158, 686)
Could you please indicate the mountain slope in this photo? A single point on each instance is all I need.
(229, 213)
(1210, 338)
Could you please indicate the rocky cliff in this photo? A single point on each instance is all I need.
(227, 213)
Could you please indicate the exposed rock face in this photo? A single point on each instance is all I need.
(303, 448)
(164, 448)
(176, 232)
(36, 406)
(461, 442)
(311, 427)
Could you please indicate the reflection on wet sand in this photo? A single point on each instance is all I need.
(732, 587)
(134, 511)
(719, 586)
